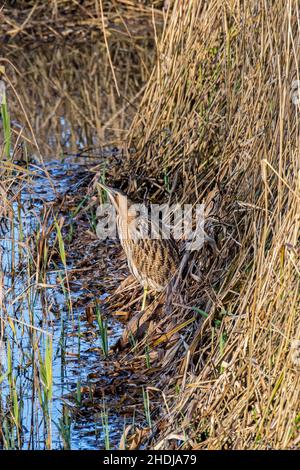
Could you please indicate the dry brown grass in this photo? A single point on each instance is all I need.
(79, 67)
(216, 123)
(217, 115)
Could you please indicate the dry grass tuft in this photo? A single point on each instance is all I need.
(218, 118)
(218, 122)
(80, 67)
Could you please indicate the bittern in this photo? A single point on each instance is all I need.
(152, 261)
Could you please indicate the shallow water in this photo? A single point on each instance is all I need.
(38, 313)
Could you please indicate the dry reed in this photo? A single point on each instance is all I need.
(46, 47)
(218, 122)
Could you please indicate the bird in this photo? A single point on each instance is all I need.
(153, 261)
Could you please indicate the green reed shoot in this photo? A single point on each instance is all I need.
(70, 233)
(77, 209)
(147, 356)
(14, 412)
(64, 427)
(63, 287)
(63, 258)
(166, 181)
(61, 244)
(133, 341)
(105, 426)
(102, 325)
(223, 339)
(5, 120)
(201, 312)
(93, 220)
(102, 192)
(46, 374)
(20, 223)
(146, 402)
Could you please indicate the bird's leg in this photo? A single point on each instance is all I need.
(144, 297)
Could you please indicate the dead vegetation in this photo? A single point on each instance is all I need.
(218, 122)
(47, 46)
(218, 115)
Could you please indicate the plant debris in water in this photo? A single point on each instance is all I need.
(84, 383)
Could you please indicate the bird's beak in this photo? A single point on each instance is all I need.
(111, 193)
(106, 188)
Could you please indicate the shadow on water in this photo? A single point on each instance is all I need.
(43, 406)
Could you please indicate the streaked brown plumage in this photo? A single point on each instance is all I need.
(153, 261)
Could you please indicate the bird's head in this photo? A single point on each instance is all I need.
(117, 197)
(133, 215)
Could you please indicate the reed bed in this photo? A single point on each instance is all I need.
(217, 122)
(47, 45)
(24, 346)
